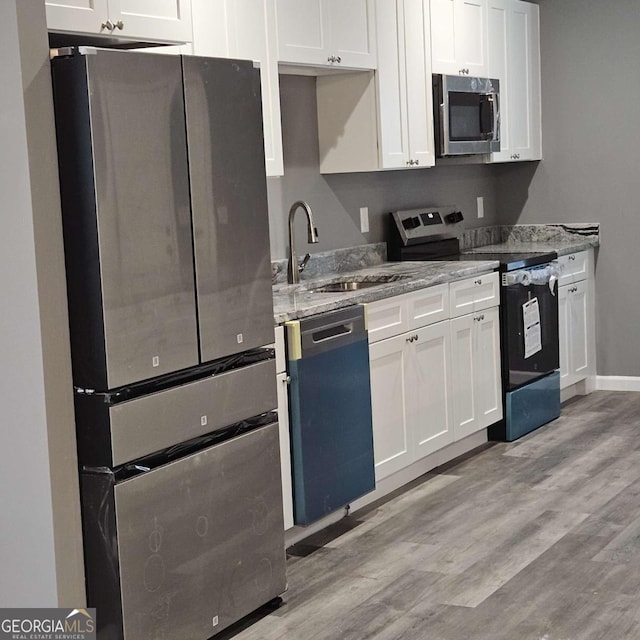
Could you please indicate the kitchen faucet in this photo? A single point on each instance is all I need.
(293, 270)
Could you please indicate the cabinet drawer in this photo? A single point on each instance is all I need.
(428, 306)
(575, 267)
(386, 318)
(474, 294)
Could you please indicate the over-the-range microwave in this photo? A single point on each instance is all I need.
(466, 114)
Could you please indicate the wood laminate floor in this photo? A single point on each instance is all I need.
(538, 539)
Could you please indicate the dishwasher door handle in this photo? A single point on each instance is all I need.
(328, 333)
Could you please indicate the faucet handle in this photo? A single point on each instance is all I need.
(303, 264)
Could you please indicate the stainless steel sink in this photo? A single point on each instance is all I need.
(354, 285)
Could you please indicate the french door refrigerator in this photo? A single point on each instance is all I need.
(169, 291)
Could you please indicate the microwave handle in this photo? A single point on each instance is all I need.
(488, 114)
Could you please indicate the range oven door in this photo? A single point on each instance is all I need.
(530, 351)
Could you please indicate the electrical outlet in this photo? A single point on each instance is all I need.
(364, 219)
(480, 201)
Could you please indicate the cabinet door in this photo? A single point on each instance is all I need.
(564, 337)
(351, 26)
(81, 16)
(459, 37)
(429, 411)
(463, 367)
(151, 20)
(487, 379)
(474, 294)
(579, 333)
(155, 20)
(417, 43)
(391, 82)
(575, 267)
(514, 58)
(285, 449)
(253, 37)
(389, 391)
(302, 33)
(386, 318)
(523, 102)
(428, 306)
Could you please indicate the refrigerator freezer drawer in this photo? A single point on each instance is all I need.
(198, 544)
(166, 418)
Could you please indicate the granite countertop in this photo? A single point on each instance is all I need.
(367, 262)
(295, 301)
(561, 247)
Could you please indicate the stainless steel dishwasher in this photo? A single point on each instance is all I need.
(330, 410)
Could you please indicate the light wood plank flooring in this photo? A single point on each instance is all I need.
(538, 539)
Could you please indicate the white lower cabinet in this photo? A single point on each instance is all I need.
(434, 380)
(573, 334)
(410, 391)
(576, 326)
(475, 370)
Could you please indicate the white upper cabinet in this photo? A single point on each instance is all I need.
(459, 37)
(514, 58)
(405, 97)
(323, 33)
(148, 20)
(246, 29)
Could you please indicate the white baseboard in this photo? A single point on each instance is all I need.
(618, 383)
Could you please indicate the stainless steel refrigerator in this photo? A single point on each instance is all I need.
(169, 292)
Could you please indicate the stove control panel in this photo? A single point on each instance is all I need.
(430, 223)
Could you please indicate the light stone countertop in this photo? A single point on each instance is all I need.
(561, 247)
(295, 301)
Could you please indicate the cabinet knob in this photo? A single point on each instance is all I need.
(120, 25)
(572, 257)
(287, 380)
(338, 59)
(477, 281)
(108, 25)
(331, 59)
(416, 162)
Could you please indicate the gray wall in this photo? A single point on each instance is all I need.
(591, 167)
(336, 199)
(40, 539)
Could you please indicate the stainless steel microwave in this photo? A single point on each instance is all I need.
(466, 115)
